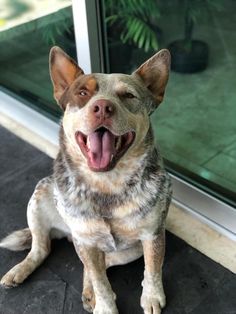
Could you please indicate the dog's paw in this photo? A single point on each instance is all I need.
(13, 277)
(152, 305)
(153, 297)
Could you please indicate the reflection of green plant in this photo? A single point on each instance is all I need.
(50, 27)
(195, 10)
(54, 25)
(135, 21)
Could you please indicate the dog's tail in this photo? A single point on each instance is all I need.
(17, 241)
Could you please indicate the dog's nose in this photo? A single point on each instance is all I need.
(103, 108)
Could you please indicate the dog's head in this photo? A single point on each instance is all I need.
(106, 116)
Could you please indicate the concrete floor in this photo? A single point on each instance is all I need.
(193, 283)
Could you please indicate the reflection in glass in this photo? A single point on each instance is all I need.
(28, 29)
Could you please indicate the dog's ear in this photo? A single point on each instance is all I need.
(155, 72)
(63, 71)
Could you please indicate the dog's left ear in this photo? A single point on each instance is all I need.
(63, 71)
(155, 72)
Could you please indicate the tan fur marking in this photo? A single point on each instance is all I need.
(91, 84)
(154, 251)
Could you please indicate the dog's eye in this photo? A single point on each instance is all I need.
(128, 95)
(83, 93)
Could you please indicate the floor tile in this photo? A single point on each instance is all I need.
(41, 297)
(216, 298)
(16, 192)
(231, 150)
(15, 155)
(223, 165)
(73, 303)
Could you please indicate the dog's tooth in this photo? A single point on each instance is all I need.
(88, 142)
(118, 143)
(112, 156)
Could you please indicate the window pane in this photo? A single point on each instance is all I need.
(195, 125)
(28, 29)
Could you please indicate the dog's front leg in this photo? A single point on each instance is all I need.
(94, 263)
(153, 296)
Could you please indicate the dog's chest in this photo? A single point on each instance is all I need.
(113, 221)
(110, 223)
(101, 233)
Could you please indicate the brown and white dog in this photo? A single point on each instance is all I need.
(109, 191)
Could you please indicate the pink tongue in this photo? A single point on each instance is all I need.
(102, 147)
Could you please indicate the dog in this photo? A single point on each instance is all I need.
(109, 192)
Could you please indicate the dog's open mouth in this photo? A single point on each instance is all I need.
(102, 148)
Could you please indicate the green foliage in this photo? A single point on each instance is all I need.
(136, 20)
(55, 25)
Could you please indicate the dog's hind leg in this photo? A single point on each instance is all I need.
(39, 251)
(40, 216)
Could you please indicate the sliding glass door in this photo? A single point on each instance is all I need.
(196, 125)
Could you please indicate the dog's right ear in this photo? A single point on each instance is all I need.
(63, 71)
(155, 72)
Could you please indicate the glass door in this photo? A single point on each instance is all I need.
(195, 125)
(28, 29)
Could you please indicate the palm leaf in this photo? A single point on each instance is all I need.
(135, 17)
(140, 33)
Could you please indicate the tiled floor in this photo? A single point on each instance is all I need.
(193, 283)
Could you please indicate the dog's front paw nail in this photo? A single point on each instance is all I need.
(104, 311)
(151, 306)
(101, 309)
